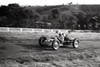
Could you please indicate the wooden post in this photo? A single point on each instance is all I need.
(21, 29)
(42, 30)
(7, 29)
(51, 30)
(32, 30)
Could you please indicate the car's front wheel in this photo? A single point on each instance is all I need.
(75, 43)
(55, 45)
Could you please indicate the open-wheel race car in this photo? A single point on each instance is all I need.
(55, 43)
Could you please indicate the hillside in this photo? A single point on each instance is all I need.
(59, 16)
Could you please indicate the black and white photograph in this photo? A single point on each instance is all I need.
(49, 33)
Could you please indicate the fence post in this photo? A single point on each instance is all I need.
(7, 29)
(32, 30)
(21, 29)
(51, 30)
(42, 30)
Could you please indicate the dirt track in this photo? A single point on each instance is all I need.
(21, 49)
(26, 51)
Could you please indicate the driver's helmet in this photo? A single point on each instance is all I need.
(63, 34)
(60, 33)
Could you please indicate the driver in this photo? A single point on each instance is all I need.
(60, 37)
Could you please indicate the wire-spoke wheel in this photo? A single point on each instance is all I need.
(55, 45)
(75, 43)
(42, 40)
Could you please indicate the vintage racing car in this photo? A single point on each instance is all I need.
(55, 44)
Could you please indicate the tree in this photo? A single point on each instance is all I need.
(3, 16)
(69, 21)
(32, 17)
(54, 18)
(81, 23)
(4, 10)
(15, 15)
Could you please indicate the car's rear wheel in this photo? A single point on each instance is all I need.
(75, 43)
(42, 40)
(55, 45)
